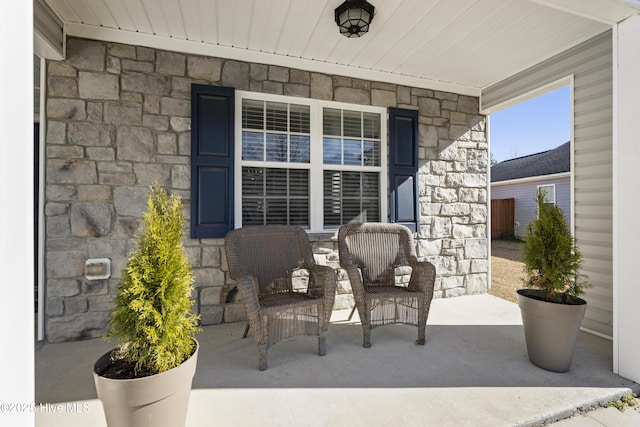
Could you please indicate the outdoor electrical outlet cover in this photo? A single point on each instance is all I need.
(97, 268)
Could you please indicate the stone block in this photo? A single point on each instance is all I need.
(151, 104)
(65, 151)
(61, 192)
(383, 98)
(462, 231)
(119, 167)
(64, 264)
(476, 283)
(167, 143)
(459, 132)
(428, 135)
(342, 81)
(210, 295)
(180, 124)
(116, 178)
(98, 85)
(427, 248)
(147, 174)
(135, 144)
(344, 302)
(68, 109)
(145, 54)
(296, 89)
(56, 68)
(71, 171)
(469, 195)
(67, 244)
(85, 54)
(259, 72)
(181, 177)
(199, 67)
(106, 248)
(90, 134)
(351, 95)
(121, 50)
(208, 277)
(92, 219)
(211, 256)
(429, 107)
(478, 214)
(184, 144)
(321, 86)
(94, 111)
(101, 153)
(403, 95)
(444, 195)
(130, 201)
(52, 209)
(146, 84)
(299, 76)
(476, 248)
(175, 106)
(273, 87)
(54, 307)
(64, 87)
(75, 305)
(450, 282)
(455, 209)
(114, 66)
(58, 288)
(235, 74)
(278, 74)
(79, 327)
(56, 132)
(211, 314)
(421, 93)
(100, 303)
(58, 226)
(121, 113)
(440, 227)
(133, 65)
(467, 104)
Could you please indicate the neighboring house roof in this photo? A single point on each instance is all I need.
(553, 161)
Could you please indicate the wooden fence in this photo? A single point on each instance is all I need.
(502, 219)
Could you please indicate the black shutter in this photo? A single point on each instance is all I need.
(212, 148)
(403, 168)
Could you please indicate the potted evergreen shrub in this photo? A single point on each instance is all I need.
(551, 307)
(146, 379)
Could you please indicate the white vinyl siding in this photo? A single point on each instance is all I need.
(591, 64)
(315, 164)
(524, 195)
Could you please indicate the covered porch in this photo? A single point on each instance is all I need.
(473, 370)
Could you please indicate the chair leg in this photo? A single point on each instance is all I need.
(422, 322)
(262, 357)
(246, 331)
(322, 345)
(366, 329)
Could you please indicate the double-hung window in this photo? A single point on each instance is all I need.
(310, 163)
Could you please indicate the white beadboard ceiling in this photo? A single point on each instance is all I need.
(456, 45)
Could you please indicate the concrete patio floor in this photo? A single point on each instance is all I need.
(472, 371)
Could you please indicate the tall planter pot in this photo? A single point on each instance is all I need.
(550, 329)
(158, 400)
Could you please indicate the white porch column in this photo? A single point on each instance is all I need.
(626, 199)
(16, 212)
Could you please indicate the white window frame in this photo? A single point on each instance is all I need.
(548, 194)
(316, 166)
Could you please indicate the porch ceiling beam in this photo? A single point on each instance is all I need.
(199, 48)
(606, 11)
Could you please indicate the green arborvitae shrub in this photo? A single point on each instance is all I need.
(551, 257)
(152, 318)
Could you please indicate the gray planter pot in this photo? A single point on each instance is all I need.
(550, 330)
(159, 400)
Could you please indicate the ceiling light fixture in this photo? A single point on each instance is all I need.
(353, 17)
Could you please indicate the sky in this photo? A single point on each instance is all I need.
(537, 125)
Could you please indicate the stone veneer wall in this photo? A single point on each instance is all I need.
(118, 119)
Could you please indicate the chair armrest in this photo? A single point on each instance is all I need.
(423, 277)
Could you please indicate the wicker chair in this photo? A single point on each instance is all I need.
(370, 253)
(262, 260)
